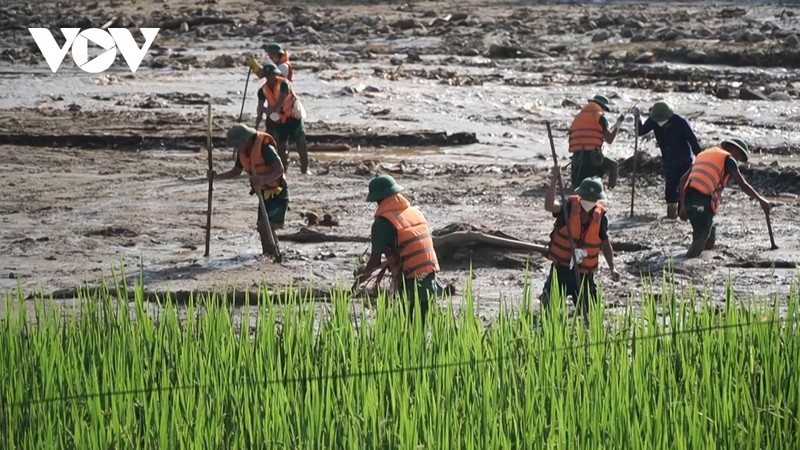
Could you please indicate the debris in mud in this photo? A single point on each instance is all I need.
(112, 231)
(508, 51)
(750, 94)
(312, 219)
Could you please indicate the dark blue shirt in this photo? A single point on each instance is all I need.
(675, 139)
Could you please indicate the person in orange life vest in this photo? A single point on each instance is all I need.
(257, 149)
(701, 190)
(280, 57)
(285, 111)
(401, 232)
(588, 226)
(587, 133)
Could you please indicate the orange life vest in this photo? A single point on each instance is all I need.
(586, 236)
(586, 133)
(284, 59)
(708, 176)
(414, 245)
(256, 158)
(273, 93)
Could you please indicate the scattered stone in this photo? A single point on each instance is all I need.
(184, 27)
(559, 48)
(791, 41)
(626, 33)
(722, 92)
(644, 58)
(113, 232)
(471, 52)
(749, 94)
(634, 24)
(407, 24)
(413, 58)
(696, 56)
(567, 103)
(601, 36)
(755, 37)
(222, 62)
(507, 51)
(639, 37)
(779, 96)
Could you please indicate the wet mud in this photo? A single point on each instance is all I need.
(107, 171)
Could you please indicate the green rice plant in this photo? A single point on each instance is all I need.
(679, 372)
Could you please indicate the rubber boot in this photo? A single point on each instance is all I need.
(613, 175)
(672, 210)
(698, 245)
(712, 238)
(263, 232)
(302, 150)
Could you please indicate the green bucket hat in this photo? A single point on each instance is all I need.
(239, 134)
(661, 110)
(381, 187)
(274, 48)
(602, 100)
(591, 189)
(741, 145)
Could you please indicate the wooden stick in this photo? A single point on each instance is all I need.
(635, 157)
(773, 246)
(564, 205)
(210, 181)
(244, 96)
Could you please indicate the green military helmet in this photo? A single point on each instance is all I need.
(602, 100)
(661, 110)
(741, 145)
(274, 48)
(382, 186)
(269, 68)
(591, 189)
(239, 134)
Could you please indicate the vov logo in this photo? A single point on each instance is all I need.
(110, 41)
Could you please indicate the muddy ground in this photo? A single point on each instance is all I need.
(103, 171)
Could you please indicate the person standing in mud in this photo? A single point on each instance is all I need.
(280, 57)
(587, 133)
(257, 149)
(702, 186)
(678, 144)
(285, 112)
(588, 225)
(401, 232)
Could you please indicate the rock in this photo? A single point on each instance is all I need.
(634, 24)
(671, 35)
(619, 55)
(222, 62)
(724, 37)
(755, 36)
(605, 21)
(458, 17)
(407, 24)
(601, 36)
(370, 21)
(558, 48)
(749, 94)
(779, 96)
(470, 52)
(696, 56)
(626, 33)
(413, 58)
(702, 32)
(184, 27)
(791, 41)
(507, 51)
(639, 37)
(644, 58)
(722, 92)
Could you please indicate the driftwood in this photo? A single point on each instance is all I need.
(309, 236)
(447, 244)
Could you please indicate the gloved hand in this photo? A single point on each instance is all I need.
(580, 253)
